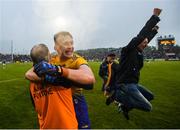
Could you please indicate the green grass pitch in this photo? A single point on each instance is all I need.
(161, 77)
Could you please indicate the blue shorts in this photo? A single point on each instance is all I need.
(81, 110)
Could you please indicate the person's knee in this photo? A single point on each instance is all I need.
(152, 97)
(148, 107)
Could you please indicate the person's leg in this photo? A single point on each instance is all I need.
(122, 95)
(145, 92)
(130, 97)
(123, 98)
(136, 98)
(111, 97)
(81, 110)
(102, 89)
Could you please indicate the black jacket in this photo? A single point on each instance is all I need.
(103, 72)
(131, 60)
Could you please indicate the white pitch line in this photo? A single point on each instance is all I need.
(3, 81)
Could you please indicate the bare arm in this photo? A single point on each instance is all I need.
(83, 75)
(30, 75)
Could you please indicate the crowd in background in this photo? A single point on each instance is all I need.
(99, 54)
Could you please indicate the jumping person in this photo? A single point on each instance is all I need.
(130, 64)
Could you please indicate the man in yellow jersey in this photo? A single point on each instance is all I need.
(73, 67)
(53, 104)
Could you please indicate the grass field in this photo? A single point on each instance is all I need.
(162, 78)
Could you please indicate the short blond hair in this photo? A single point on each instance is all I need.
(62, 34)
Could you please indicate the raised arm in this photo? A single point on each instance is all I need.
(147, 31)
(151, 23)
(151, 35)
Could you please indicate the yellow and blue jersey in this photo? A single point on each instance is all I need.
(72, 63)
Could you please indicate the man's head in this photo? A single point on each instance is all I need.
(64, 44)
(40, 53)
(143, 45)
(110, 57)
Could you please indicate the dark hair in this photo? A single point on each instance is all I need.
(39, 53)
(111, 54)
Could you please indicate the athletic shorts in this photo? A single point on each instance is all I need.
(81, 110)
